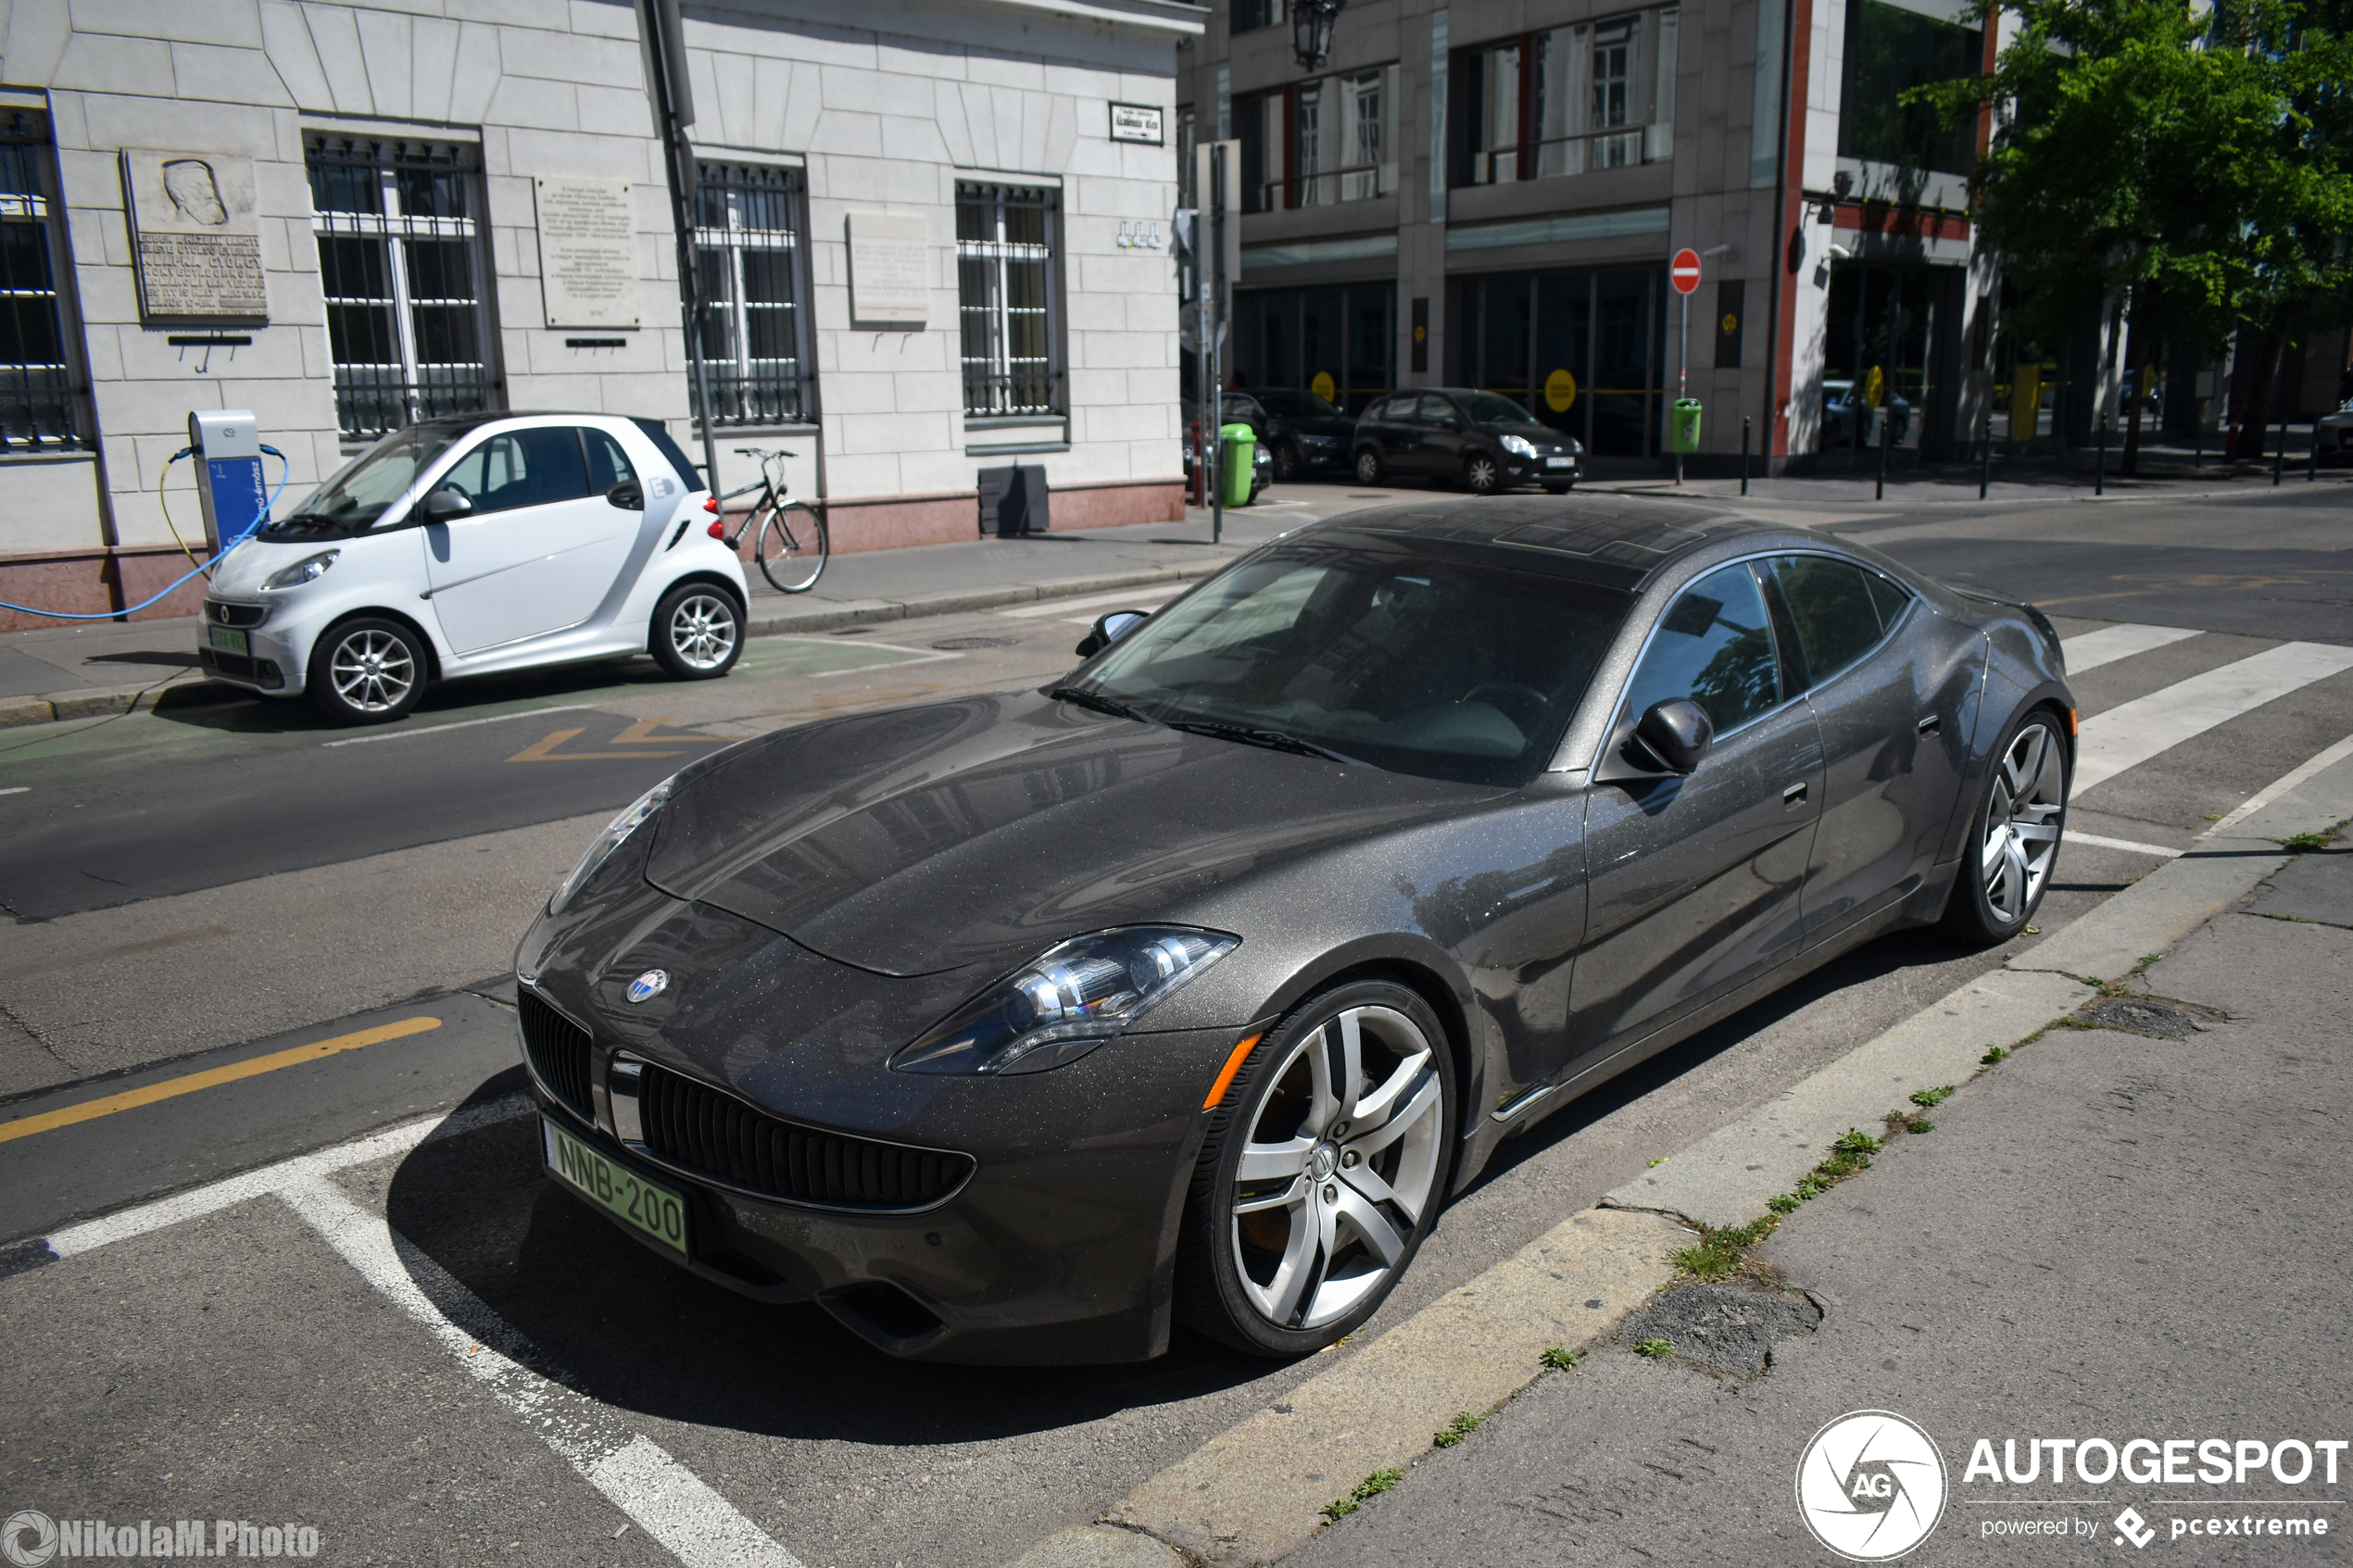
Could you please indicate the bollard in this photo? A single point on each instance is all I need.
(1744, 438)
(1986, 459)
(2099, 470)
(1886, 426)
(2278, 459)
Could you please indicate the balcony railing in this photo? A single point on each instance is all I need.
(1621, 148)
(1356, 182)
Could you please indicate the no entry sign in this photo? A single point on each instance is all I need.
(1683, 271)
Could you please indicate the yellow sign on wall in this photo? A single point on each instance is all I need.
(1322, 386)
(1560, 391)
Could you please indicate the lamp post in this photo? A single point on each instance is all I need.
(1311, 30)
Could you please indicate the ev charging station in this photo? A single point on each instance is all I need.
(227, 446)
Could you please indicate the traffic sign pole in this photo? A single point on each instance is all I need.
(1683, 272)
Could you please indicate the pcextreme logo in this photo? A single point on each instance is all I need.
(1870, 1486)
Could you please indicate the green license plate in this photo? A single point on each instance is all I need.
(657, 1211)
(228, 639)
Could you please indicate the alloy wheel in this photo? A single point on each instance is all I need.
(702, 629)
(373, 671)
(2022, 821)
(1480, 475)
(1368, 468)
(1340, 1164)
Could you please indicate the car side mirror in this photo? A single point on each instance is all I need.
(629, 496)
(1677, 733)
(1109, 628)
(442, 505)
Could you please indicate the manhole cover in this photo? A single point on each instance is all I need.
(1728, 1329)
(955, 645)
(2139, 1017)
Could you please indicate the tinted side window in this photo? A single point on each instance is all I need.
(1832, 607)
(1435, 410)
(1891, 597)
(608, 464)
(521, 468)
(1712, 647)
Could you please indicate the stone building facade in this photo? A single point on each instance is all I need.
(438, 205)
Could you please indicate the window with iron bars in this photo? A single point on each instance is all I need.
(1008, 281)
(40, 403)
(400, 257)
(747, 261)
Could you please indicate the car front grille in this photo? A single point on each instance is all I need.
(559, 1052)
(221, 613)
(701, 1129)
(261, 673)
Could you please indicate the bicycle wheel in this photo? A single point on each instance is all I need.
(791, 548)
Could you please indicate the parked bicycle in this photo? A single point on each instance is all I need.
(790, 543)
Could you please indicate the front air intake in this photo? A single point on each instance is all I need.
(559, 1051)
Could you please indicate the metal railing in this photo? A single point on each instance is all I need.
(763, 397)
(1356, 182)
(1623, 147)
(373, 400)
(39, 410)
(995, 393)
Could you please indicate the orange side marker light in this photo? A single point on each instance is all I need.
(1226, 1077)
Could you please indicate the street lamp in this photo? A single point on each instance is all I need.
(1311, 29)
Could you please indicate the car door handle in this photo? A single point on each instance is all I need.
(1793, 794)
(1931, 724)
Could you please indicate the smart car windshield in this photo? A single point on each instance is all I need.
(1492, 409)
(354, 498)
(1438, 667)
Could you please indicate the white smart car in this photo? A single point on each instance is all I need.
(473, 545)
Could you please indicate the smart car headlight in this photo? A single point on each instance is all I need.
(1066, 1001)
(616, 834)
(1519, 446)
(308, 570)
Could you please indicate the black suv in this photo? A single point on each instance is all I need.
(1480, 440)
(1303, 431)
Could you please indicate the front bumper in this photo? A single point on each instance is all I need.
(270, 664)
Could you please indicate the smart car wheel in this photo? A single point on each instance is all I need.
(2016, 837)
(1322, 1172)
(367, 671)
(1368, 466)
(1481, 474)
(698, 631)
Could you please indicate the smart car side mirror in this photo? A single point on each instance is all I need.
(443, 505)
(629, 496)
(1109, 628)
(1677, 732)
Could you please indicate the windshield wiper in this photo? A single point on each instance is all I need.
(1274, 740)
(1099, 703)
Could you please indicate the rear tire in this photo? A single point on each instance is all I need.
(1345, 1179)
(367, 670)
(697, 633)
(1368, 467)
(2014, 837)
(792, 548)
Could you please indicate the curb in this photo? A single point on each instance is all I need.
(90, 702)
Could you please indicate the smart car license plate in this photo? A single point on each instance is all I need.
(1560, 462)
(228, 639)
(656, 1210)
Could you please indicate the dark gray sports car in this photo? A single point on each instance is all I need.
(1186, 989)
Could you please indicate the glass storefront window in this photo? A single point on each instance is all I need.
(1584, 351)
(1337, 340)
(1890, 49)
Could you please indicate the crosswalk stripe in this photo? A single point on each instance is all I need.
(2111, 643)
(2129, 735)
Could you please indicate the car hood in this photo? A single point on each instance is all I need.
(978, 832)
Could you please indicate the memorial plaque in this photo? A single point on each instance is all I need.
(196, 235)
(588, 251)
(889, 268)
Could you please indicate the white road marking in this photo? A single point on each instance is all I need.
(2072, 836)
(462, 725)
(2128, 735)
(2111, 643)
(1149, 597)
(662, 1496)
(16, 789)
(2264, 797)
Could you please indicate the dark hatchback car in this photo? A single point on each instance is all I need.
(1482, 441)
(1302, 431)
(1189, 987)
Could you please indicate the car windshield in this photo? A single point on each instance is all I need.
(1297, 405)
(1419, 665)
(1490, 408)
(354, 497)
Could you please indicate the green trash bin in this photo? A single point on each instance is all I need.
(1239, 454)
(1682, 432)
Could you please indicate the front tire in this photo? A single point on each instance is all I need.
(1368, 467)
(1321, 1172)
(1481, 474)
(697, 633)
(2013, 844)
(367, 670)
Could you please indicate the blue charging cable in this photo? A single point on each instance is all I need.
(284, 474)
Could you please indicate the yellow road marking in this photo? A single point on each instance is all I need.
(90, 1111)
(639, 734)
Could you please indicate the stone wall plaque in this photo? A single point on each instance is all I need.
(196, 235)
(889, 268)
(588, 251)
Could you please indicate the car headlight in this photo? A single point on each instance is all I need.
(308, 570)
(1519, 446)
(1066, 1001)
(616, 834)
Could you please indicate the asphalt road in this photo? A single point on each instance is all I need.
(202, 889)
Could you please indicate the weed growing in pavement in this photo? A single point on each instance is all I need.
(1996, 1057)
(1656, 1349)
(1720, 1250)
(1928, 1100)
(1561, 1358)
(2304, 843)
(1456, 1431)
(1369, 1487)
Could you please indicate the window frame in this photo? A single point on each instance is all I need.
(70, 424)
(996, 257)
(786, 398)
(1278, 122)
(1555, 131)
